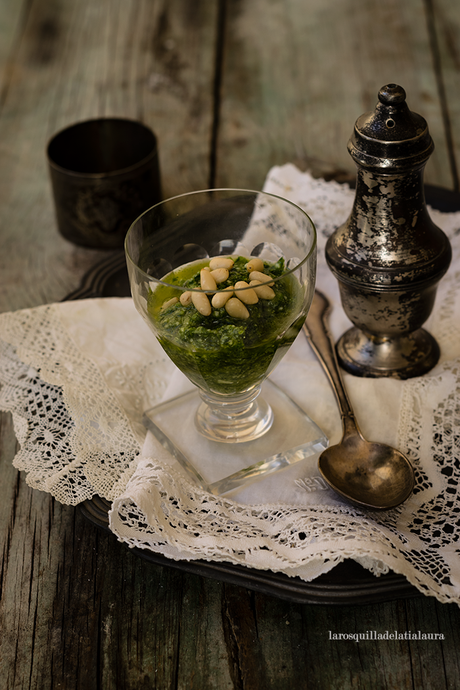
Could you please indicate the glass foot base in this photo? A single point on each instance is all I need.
(221, 467)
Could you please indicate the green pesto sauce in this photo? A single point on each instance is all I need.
(219, 352)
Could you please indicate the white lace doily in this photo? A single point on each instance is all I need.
(73, 376)
(77, 377)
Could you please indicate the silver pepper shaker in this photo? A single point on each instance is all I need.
(389, 256)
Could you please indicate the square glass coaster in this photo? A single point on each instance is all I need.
(221, 467)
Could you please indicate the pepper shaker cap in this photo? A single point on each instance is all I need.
(392, 138)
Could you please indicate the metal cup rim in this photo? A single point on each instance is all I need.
(102, 175)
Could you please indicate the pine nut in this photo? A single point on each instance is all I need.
(263, 290)
(220, 275)
(236, 308)
(262, 277)
(201, 303)
(221, 262)
(207, 281)
(255, 264)
(186, 298)
(247, 296)
(169, 303)
(221, 297)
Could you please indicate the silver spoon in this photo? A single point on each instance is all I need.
(373, 475)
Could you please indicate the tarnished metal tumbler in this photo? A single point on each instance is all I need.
(104, 173)
(389, 255)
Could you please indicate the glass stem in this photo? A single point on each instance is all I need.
(233, 419)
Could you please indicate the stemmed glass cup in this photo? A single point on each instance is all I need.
(224, 278)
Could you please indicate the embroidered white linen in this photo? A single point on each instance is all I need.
(78, 375)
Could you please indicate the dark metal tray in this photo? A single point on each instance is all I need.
(346, 583)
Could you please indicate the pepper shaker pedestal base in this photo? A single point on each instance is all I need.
(400, 357)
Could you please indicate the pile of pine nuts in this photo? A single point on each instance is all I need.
(217, 272)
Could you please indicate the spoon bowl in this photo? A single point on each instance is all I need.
(372, 475)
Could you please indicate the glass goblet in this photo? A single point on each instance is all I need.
(224, 278)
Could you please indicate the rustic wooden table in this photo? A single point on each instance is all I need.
(230, 87)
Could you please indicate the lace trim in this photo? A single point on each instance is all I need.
(76, 439)
(177, 519)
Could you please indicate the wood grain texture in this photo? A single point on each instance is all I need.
(444, 22)
(296, 77)
(231, 88)
(152, 61)
(11, 16)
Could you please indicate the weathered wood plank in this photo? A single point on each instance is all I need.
(202, 638)
(434, 663)
(295, 80)
(72, 61)
(11, 15)
(444, 17)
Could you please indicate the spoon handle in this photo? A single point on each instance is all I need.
(317, 332)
